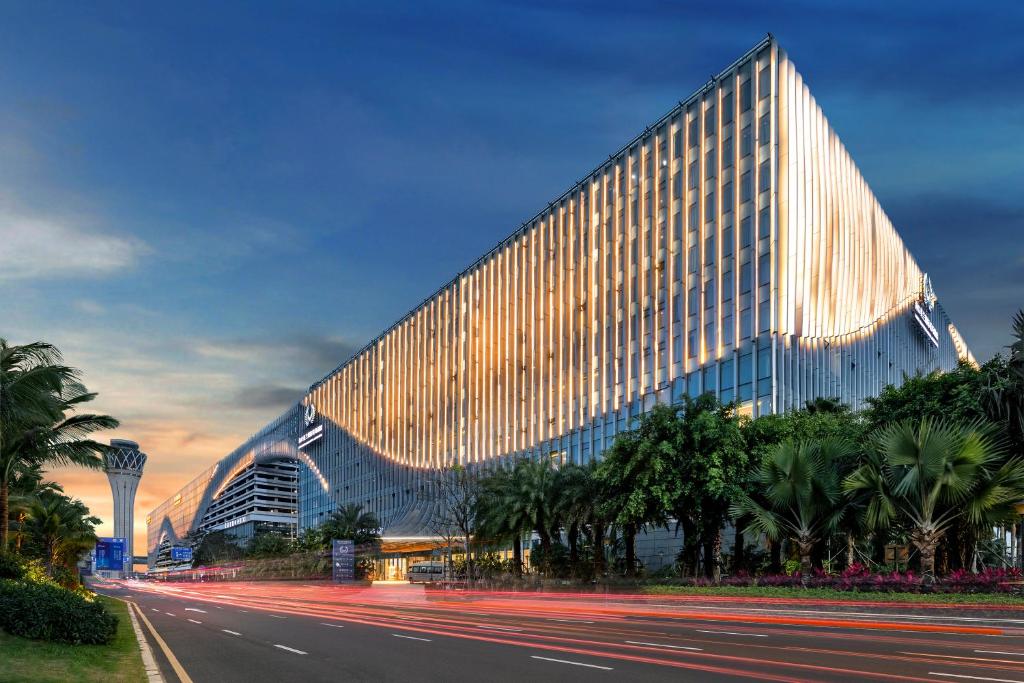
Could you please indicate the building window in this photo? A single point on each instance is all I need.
(746, 323)
(746, 142)
(746, 376)
(765, 176)
(709, 249)
(727, 153)
(709, 121)
(746, 277)
(694, 216)
(764, 228)
(727, 107)
(764, 83)
(727, 285)
(745, 98)
(727, 197)
(694, 175)
(709, 206)
(764, 129)
(746, 187)
(746, 232)
(694, 132)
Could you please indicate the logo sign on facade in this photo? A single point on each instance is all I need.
(343, 560)
(181, 554)
(312, 428)
(110, 554)
(924, 323)
(927, 292)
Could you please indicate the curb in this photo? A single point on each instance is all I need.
(148, 661)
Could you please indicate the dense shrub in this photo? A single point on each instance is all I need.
(860, 578)
(45, 611)
(11, 566)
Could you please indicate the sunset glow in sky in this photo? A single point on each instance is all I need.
(209, 209)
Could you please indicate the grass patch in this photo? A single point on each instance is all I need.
(34, 661)
(827, 594)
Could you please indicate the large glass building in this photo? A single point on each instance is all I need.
(731, 247)
(252, 490)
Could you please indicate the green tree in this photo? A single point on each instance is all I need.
(578, 505)
(934, 473)
(39, 397)
(213, 547)
(711, 468)
(269, 544)
(351, 522)
(802, 484)
(58, 530)
(502, 515)
(639, 476)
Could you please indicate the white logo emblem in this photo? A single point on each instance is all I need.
(309, 416)
(928, 293)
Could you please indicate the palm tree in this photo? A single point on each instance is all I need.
(803, 491)
(38, 423)
(533, 499)
(501, 514)
(935, 473)
(61, 528)
(823, 404)
(351, 522)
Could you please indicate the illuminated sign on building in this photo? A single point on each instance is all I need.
(314, 430)
(926, 326)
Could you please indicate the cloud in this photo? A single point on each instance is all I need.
(38, 247)
(89, 307)
(277, 397)
(307, 356)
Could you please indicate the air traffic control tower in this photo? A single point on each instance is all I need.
(123, 464)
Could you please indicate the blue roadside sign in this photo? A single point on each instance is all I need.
(110, 554)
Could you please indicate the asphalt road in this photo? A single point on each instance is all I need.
(291, 631)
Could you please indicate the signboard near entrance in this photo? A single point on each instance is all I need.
(110, 554)
(344, 560)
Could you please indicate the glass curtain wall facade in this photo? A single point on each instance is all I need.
(255, 485)
(732, 247)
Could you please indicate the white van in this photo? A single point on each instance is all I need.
(425, 572)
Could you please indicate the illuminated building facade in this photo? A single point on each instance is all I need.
(732, 247)
(252, 490)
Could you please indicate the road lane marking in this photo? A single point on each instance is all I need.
(566, 661)
(234, 633)
(244, 610)
(154, 609)
(499, 628)
(168, 614)
(937, 617)
(195, 622)
(572, 621)
(291, 649)
(733, 633)
(324, 623)
(399, 635)
(969, 659)
(179, 670)
(276, 616)
(195, 609)
(219, 607)
(674, 647)
(976, 678)
(998, 652)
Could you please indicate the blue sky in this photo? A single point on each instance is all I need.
(208, 206)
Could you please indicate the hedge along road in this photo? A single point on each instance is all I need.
(284, 631)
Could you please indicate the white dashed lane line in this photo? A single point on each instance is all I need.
(324, 623)
(399, 635)
(195, 622)
(566, 661)
(671, 647)
(276, 616)
(291, 649)
(234, 633)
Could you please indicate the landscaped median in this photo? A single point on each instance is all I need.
(818, 594)
(36, 661)
(50, 632)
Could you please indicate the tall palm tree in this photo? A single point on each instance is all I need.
(501, 514)
(38, 423)
(803, 490)
(935, 473)
(533, 499)
(577, 501)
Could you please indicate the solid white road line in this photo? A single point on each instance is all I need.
(976, 678)
(566, 661)
(733, 633)
(324, 623)
(234, 633)
(399, 635)
(291, 649)
(674, 647)
(195, 622)
(998, 652)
